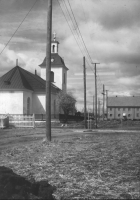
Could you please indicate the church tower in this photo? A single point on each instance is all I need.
(57, 66)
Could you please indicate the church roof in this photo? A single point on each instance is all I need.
(20, 79)
(57, 61)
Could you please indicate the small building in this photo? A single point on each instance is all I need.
(120, 106)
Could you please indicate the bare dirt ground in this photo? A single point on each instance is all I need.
(15, 137)
(81, 165)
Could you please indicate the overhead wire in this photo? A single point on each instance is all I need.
(67, 14)
(79, 32)
(18, 27)
(70, 27)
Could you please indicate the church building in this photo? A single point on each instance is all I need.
(22, 92)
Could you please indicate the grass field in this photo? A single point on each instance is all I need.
(81, 166)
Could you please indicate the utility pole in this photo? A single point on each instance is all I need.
(93, 106)
(95, 95)
(48, 71)
(85, 109)
(103, 100)
(107, 104)
(98, 109)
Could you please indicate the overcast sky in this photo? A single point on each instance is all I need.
(109, 28)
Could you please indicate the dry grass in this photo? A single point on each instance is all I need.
(90, 166)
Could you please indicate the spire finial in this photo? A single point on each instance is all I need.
(54, 36)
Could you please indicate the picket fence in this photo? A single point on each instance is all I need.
(21, 121)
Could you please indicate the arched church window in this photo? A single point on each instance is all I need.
(53, 48)
(28, 105)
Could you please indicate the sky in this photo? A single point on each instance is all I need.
(110, 30)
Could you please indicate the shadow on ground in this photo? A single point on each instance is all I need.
(13, 186)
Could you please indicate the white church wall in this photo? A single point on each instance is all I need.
(16, 102)
(26, 95)
(39, 103)
(64, 80)
(57, 77)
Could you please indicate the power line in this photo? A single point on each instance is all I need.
(68, 15)
(18, 27)
(71, 16)
(79, 32)
(70, 27)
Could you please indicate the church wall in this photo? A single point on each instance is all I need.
(57, 77)
(16, 102)
(64, 80)
(27, 95)
(39, 105)
(54, 107)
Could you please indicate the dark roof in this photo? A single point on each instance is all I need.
(58, 61)
(125, 101)
(20, 79)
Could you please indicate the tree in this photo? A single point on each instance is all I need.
(66, 102)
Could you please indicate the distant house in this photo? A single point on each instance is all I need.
(128, 106)
(22, 92)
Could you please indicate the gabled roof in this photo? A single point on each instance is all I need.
(20, 79)
(126, 101)
(57, 61)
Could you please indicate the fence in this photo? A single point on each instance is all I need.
(21, 121)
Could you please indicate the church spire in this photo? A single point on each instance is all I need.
(54, 36)
(54, 44)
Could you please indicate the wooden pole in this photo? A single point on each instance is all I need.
(93, 106)
(85, 109)
(107, 104)
(98, 109)
(95, 99)
(95, 96)
(48, 71)
(103, 101)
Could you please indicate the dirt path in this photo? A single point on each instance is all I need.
(12, 137)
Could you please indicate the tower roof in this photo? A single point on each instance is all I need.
(20, 79)
(57, 61)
